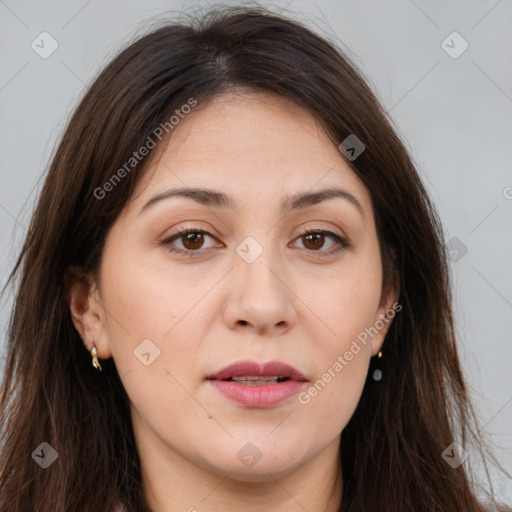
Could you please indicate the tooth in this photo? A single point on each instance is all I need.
(251, 380)
(255, 382)
(255, 378)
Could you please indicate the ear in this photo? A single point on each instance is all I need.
(88, 315)
(388, 308)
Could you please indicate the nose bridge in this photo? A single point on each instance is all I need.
(258, 265)
(260, 296)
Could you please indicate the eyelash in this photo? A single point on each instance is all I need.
(343, 243)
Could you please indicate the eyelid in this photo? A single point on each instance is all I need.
(315, 229)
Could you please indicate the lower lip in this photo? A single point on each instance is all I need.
(264, 396)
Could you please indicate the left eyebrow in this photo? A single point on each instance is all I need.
(217, 199)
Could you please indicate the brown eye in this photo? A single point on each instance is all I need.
(192, 241)
(314, 240)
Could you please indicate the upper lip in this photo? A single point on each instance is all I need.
(254, 368)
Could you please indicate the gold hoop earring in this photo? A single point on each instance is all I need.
(94, 355)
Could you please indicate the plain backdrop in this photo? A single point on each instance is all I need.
(449, 95)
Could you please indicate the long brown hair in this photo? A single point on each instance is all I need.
(391, 450)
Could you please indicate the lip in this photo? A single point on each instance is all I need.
(263, 396)
(241, 368)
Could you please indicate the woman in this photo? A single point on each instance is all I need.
(234, 294)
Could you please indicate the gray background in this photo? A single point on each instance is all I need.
(454, 115)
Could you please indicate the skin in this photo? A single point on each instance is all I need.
(294, 303)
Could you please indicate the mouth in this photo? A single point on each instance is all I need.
(252, 380)
(254, 384)
(253, 373)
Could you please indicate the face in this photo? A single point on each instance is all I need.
(263, 275)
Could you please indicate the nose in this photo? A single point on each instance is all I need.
(260, 296)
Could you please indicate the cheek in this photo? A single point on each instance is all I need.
(342, 367)
(155, 318)
(145, 299)
(151, 337)
(346, 303)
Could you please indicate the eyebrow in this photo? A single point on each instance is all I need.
(215, 199)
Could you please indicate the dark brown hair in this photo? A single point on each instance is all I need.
(391, 448)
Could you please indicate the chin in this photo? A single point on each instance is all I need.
(261, 468)
(259, 473)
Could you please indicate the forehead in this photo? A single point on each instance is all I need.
(248, 145)
(258, 126)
